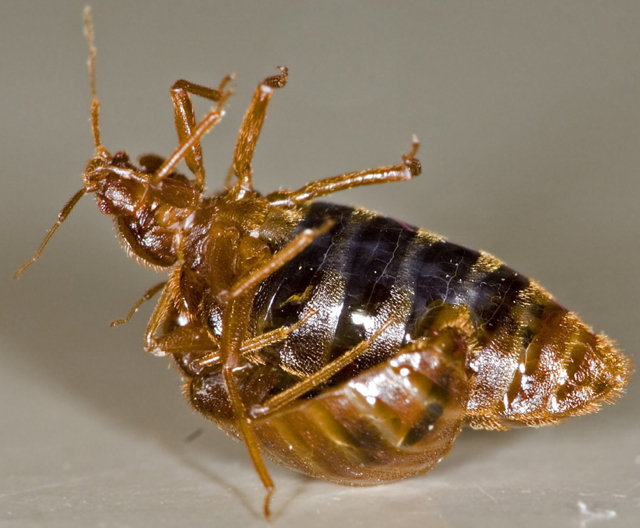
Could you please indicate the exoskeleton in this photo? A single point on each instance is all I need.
(336, 341)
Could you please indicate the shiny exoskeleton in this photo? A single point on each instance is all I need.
(470, 342)
(336, 341)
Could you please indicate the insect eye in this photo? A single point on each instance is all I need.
(121, 159)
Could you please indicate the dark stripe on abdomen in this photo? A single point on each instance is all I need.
(377, 251)
(305, 270)
(373, 255)
(440, 271)
(494, 295)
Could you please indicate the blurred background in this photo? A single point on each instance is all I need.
(529, 119)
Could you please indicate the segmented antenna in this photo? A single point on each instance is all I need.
(62, 216)
(95, 111)
(91, 63)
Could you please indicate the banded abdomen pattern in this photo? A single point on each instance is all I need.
(515, 357)
(533, 361)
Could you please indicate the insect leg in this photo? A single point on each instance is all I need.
(452, 320)
(251, 126)
(409, 169)
(324, 374)
(178, 340)
(286, 254)
(250, 347)
(162, 310)
(147, 296)
(186, 121)
(183, 340)
(185, 148)
(402, 413)
(235, 323)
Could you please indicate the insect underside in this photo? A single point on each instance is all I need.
(336, 341)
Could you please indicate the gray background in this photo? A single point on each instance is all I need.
(529, 117)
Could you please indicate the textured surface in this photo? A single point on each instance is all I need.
(529, 117)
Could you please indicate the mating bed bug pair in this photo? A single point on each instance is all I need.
(336, 341)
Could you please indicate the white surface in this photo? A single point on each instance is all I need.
(529, 117)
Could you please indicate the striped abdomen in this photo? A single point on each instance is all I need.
(515, 357)
(533, 361)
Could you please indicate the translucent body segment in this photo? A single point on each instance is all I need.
(533, 363)
(387, 423)
(565, 370)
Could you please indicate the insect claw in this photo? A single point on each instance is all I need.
(231, 81)
(410, 160)
(277, 81)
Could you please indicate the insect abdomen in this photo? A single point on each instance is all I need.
(465, 339)
(561, 370)
(533, 362)
(387, 423)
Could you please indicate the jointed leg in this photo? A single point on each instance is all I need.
(282, 257)
(186, 121)
(250, 347)
(179, 340)
(251, 126)
(198, 339)
(147, 296)
(409, 169)
(324, 374)
(450, 337)
(191, 140)
(162, 310)
(235, 323)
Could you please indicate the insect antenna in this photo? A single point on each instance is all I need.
(91, 63)
(61, 218)
(100, 150)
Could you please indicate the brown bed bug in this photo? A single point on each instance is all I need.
(335, 341)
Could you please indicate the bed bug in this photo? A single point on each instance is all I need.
(333, 340)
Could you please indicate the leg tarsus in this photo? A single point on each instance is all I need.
(147, 296)
(235, 323)
(267, 502)
(277, 81)
(251, 127)
(410, 159)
